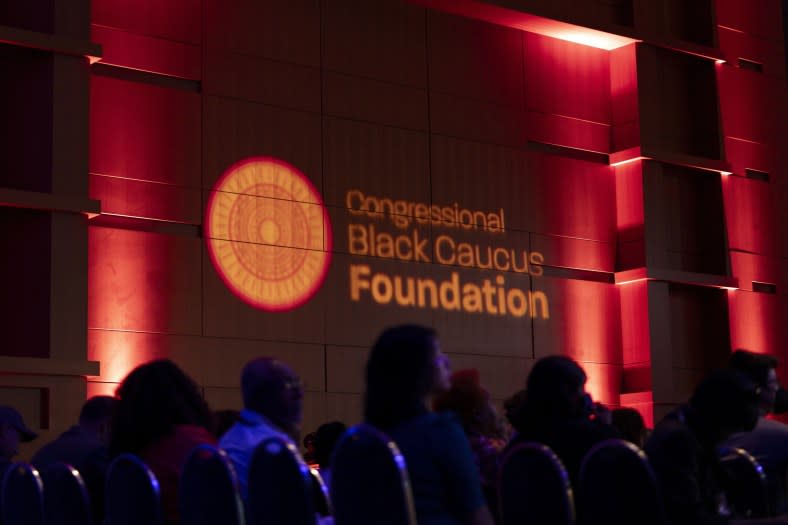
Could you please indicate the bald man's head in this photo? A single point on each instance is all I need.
(272, 389)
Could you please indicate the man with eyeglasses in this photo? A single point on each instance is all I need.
(768, 441)
(272, 397)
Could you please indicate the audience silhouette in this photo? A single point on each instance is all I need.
(272, 397)
(556, 411)
(452, 456)
(160, 416)
(406, 367)
(84, 447)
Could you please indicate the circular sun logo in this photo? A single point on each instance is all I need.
(268, 233)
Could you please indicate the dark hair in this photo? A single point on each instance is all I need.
(400, 373)
(97, 409)
(152, 400)
(726, 401)
(629, 424)
(756, 366)
(514, 408)
(551, 393)
(326, 438)
(470, 402)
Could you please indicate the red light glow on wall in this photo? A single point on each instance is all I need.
(268, 234)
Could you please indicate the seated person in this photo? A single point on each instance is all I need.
(630, 425)
(84, 447)
(405, 369)
(326, 438)
(12, 431)
(160, 416)
(768, 441)
(683, 449)
(272, 397)
(556, 411)
(483, 427)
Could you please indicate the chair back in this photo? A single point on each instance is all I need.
(208, 490)
(22, 496)
(132, 493)
(745, 484)
(66, 500)
(369, 480)
(320, 497)
(617, 486)
(534, 488)
(280, 486)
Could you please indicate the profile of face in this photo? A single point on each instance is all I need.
(769, 392)
(291, 397)
(9, 441)
(441, 369)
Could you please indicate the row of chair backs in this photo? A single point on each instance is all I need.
(24, 501)
(616, 486)
(369, 482)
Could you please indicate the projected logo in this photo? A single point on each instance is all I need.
(268, 234)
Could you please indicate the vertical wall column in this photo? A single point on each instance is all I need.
(43, 219)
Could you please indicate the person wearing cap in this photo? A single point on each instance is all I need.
(12, 431)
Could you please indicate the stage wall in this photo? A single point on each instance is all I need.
(237, 179)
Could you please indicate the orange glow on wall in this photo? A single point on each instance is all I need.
(268, 234)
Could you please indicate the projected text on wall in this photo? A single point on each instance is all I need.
(370, 234)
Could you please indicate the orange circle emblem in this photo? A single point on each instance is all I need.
(268, 233)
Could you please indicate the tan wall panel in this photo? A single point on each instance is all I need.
(379, 161)
(584, 321)
(358, 98)
(148, 200)
(564, 78)
(286, 31)
(258, 79)
(236, 129)
(347, 408)
(226, 315)
(144, 132)
(478, 120)
(223, 398)
(209, 361)
(384, 40)
(345, 369)
(575, 253)
(177, 20)
(143, 281)
(491, 67)
(481, 332)
(502, 377)
(358, 323)
(539, 192)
